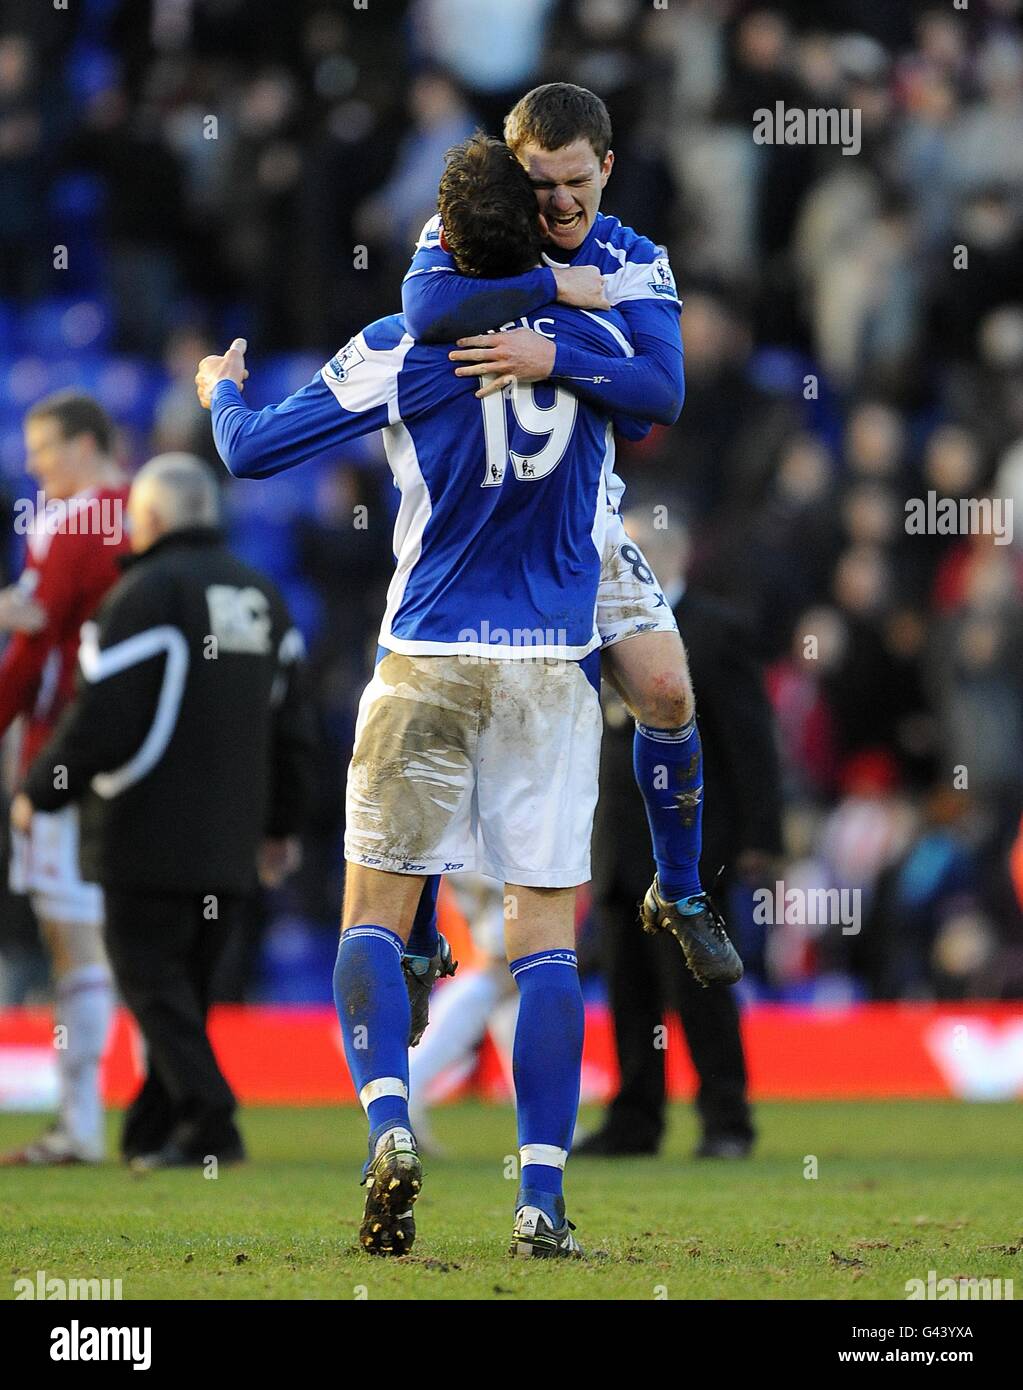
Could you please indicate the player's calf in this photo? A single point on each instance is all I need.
(373, 1012)
(547, 1061)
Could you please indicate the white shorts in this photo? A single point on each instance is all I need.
(487, 765)
(629, 598)
(44, 864)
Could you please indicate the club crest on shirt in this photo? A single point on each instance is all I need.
(663, 281)
(348, 358)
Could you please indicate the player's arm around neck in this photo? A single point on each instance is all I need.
(440, 304)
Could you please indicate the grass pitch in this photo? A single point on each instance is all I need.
(901, 1188)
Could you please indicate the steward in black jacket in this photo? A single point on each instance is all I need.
(188, 741)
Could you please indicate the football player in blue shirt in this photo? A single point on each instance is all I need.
(561, 134)
(478, 736)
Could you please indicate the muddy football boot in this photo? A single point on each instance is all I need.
(421, 974)
(394, 1176)
(699, 929)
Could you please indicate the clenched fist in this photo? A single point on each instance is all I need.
(581, 287)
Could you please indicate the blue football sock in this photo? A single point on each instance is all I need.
(424, 939)
(373, 1010)
(547, 1061)
(668, 764)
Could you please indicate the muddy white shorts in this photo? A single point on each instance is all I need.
(487, 765)
(629, 598)
(44, 864)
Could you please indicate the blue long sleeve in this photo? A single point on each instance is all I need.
(631, 427)
(440, 305)
(259, 443)
(650, 385)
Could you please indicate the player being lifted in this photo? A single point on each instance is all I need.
(561, 134)
(470, 752)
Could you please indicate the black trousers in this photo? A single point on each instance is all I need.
(164, 950)
(646, 976)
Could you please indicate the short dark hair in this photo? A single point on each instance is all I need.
(557, 114)
(76, 414)
(488, 208)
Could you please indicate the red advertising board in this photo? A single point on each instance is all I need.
(292, 1055)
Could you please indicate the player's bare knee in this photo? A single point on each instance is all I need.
(72, 945)
(667, 702)
(385, 899)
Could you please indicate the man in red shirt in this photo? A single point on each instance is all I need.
(75, 531)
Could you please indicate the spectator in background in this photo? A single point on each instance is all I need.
(352, 133)
(600, 45)
(145, 224)
(987, 224)
(343, 551)
(180, 425)
(720, 451)
(761, 73)
(985, 392)
(492, 48)
(395, 214)
(773, 555)
(261, 199)
(23, 170)
(975, 671)
(926, 934)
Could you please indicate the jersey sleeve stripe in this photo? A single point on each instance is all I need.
(627, 349)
